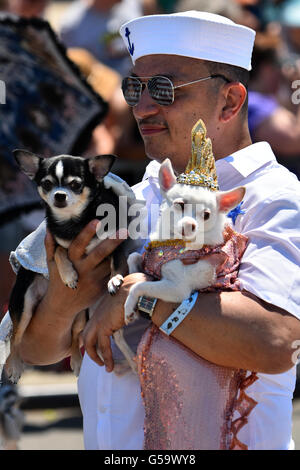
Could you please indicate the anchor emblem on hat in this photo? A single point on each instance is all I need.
(130, 46)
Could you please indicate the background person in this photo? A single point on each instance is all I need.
(93, 25)
(27, 8)
(270, 119)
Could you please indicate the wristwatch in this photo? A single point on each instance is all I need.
(146, 306)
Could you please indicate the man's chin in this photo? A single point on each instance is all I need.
(158, 159)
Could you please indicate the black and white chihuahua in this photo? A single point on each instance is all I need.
(72, 189)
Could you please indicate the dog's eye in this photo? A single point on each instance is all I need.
(206, 215)
(179, 205)
(47, 185)
(75, 185)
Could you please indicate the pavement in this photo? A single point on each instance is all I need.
(52, 416)
(52, 429)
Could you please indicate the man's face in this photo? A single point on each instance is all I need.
(166, 130)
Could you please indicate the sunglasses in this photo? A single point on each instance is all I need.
(161, 89)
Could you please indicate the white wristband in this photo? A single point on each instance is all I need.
(179, 314)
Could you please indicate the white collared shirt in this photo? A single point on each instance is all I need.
(112, 407)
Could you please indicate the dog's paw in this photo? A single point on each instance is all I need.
(114, 284)
(130, 311)
(14, 370)
(131, 317)
(71, 281)
(75, 364)
(134, 366)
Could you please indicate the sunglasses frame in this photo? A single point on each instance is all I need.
(143, 85)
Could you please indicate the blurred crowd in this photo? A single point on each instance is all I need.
(89, 31)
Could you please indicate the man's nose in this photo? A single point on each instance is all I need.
(146, 106)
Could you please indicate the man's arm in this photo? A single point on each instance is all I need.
(233, 329)
(48, 337)
(236, 329)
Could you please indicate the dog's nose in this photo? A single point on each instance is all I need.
(188, 228)
(60, 197)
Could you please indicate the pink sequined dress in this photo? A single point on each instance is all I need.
(190, 403)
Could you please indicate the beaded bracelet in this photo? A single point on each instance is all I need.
(179, 314)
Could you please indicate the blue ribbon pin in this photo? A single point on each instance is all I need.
(236, 212)
(130, 46)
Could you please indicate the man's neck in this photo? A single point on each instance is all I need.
(229, 146)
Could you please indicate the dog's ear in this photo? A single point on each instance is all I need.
(101, 165)
(230, 199)
(28, 162)
(167, 178)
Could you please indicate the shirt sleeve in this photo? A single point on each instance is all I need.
(270, 265)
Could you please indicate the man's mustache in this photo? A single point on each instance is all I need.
(151, 122)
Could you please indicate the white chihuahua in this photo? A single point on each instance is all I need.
(195, 215)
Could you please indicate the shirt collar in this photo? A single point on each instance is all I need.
(245, 161)
(248, 159)
(152, 169)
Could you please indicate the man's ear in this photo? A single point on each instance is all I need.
(230, 199)
(28, 162)
(234, 94)
(167, 178)
(101, 165)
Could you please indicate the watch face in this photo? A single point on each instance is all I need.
(147, 303)
(146, 306)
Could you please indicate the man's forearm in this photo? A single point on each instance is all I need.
(234, 329)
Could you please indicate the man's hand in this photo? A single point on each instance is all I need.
(48, 337)
(108, 318)
(93, 271)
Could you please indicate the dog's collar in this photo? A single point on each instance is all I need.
(161, 243)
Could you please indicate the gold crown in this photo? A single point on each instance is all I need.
(201, 169)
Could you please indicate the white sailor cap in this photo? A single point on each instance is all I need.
(195, 34)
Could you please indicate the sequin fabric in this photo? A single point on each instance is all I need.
(230, 252)
(190, 403)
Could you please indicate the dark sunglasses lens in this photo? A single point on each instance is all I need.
(131, 88)
(161, 90)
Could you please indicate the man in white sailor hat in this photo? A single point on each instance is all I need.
(186, 66)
